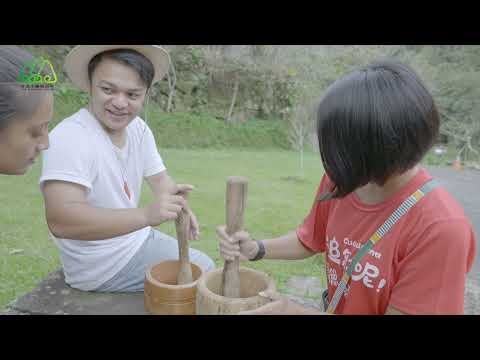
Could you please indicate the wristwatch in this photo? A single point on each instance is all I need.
(261, 251)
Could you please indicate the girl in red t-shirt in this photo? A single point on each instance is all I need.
(395, 243)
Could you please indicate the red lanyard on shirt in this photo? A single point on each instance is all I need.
(404, 207)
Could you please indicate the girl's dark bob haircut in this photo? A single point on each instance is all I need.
(375, 122)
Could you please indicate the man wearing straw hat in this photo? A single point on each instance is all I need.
(93, 172)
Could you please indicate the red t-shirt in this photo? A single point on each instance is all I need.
(418, 267)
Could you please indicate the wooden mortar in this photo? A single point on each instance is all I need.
(232, 289)
(210, 302)
(170, 287)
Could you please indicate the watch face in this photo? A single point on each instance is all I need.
(261, 251)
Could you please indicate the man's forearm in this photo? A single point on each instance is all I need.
(83, 222)
(161, 184)
(286, 247)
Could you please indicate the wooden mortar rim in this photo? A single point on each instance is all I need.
(149, 278)
(202, 286)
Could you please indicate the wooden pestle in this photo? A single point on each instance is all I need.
(182, 224)
(236, 198)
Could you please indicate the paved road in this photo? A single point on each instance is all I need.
(464, 185)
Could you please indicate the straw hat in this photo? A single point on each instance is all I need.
(76, 62)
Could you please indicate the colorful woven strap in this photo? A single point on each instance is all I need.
(404, 207)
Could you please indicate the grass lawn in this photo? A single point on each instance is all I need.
(279, 197)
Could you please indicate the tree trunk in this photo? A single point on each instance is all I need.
(301, 157)
(171, 85)
(234, 98)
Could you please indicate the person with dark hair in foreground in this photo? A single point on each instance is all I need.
(24, 114)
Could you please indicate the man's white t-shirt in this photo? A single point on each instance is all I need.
(81, 152)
